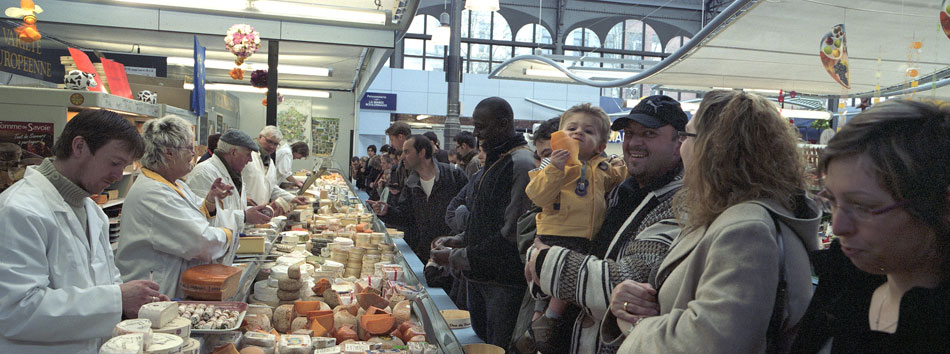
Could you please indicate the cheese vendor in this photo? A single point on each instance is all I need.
(166, 228)
(60, 291)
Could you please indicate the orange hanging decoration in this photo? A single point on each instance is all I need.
(237, 73)
(27, 10)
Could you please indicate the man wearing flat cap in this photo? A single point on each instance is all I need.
(229, 159)
(638, 227)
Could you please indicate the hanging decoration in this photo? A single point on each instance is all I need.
(26, 32)
(912, 72)
(242, 41)
(280, 99)
(259, 78)
(833, 50)
(945, 17)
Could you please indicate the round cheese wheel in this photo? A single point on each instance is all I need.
(288, 284)
(288, 295)
(124, 344)
(191, 346)
(283, 316)
(163, 343)
(140, 325)
(180, 326)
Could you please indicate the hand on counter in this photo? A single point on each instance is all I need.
(380, 208)
(301, 200)
(440, 256)
(136, 293)
(255, 215)
(447, 241)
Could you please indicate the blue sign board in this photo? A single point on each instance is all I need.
(380, 101)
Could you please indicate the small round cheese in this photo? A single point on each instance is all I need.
(140, 325)
(163, 343)
(124, 344)
(179, 326)
(191, 346)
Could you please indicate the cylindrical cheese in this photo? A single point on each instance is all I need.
(180, 326)
(139, 325)
(124, 344)
(163, 343)
(191, 346)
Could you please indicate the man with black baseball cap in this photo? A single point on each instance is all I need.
(639, 220)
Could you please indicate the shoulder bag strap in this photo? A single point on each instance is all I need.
(773, 342)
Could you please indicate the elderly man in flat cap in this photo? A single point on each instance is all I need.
(232, 154)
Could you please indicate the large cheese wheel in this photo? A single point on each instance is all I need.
(179, 326)
(191, 346)
(125, 344)
(283, 316)
(561, 141)
(160, 313)
(216, 282)
(163, 343)
(298, 323)
(140, 325)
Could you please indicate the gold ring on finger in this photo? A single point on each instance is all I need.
(625, 306)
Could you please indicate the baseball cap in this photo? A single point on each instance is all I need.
(238, 138)
(654, 112)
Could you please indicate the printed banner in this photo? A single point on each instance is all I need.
(22, 144)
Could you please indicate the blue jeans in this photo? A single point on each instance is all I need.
(494, 311)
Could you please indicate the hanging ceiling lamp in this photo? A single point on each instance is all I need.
(482, 5)
(442, 33)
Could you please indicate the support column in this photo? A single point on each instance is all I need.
(273, 48)
(453, 76)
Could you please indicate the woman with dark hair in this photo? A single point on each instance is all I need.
(737, 279)
(883, 285)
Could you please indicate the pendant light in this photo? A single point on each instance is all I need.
(442, 33)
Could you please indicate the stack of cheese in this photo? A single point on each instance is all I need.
(354, 262)
(144, 335)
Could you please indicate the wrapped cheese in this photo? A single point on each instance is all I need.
(159, 313)
(264, 340)
(125, 344)
(216, 282)
(294, 344)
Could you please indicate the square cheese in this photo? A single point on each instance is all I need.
(160, 313)
(294, 344)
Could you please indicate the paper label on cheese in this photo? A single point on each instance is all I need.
(124, 344)
(160, 313)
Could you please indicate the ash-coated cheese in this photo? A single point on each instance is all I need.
(163, 343)
(125, 344)
(294, 344)
(139, 325)
(160, 313)
(179, 326)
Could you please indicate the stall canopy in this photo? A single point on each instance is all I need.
(775, 45)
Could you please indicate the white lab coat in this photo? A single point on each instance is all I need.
(59, 292)
(283, 164)
(165, 231)
(230, 212)
(259, 185)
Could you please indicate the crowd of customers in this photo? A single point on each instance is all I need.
(702, 237)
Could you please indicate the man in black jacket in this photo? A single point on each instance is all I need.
(487, 253)
(420, 207)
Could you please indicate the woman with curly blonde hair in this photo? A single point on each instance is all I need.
(738, 279)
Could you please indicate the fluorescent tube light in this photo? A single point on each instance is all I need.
(304, 93)
(228, 65)
(544, 73)
(227, 5)
(319, 12)
(252, 89)
(805, 114)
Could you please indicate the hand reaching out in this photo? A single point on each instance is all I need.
(559, 158)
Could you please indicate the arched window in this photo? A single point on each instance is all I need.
(633, 35)
(481, 26)
(651, 41)
(582, 37)
(675, 44)
(614, 38)
(419, 52)
(500, 29)
(532, 33)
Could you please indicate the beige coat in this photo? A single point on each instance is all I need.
(718, 284)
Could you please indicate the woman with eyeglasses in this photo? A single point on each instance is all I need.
(737, 279)
(165, 227)
(883, 285)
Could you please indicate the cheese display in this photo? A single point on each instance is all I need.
(159, 313)
(140, 325)
(213, 316)
(259, 339)
(125, 344)
(163, 343)
(180, 326)
(251, 245)
(210, 282)
(192, 346)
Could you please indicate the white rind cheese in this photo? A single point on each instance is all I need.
(160, 313)
(191, 346)
(124, 344)
(179, 326)
(294, 344)
(140, 325)
(265, 340)
(163, 343)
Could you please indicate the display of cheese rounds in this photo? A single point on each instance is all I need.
(322, 342)
(345, 333)
(369, 299)
(159, 313)
(179, 326)
(216, 282)
(386, 342)
(283, 316)
(259, 339)
(278, 271)
(125, 344)
(298, 323)
(294, 344)
(293, 271)
(264, 292)
(140, 325)
(288, 284)
(192, 346)
(402, 311)
(163, 343)
(258, 322)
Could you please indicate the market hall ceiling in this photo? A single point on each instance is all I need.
(351, 45)
(775, 45)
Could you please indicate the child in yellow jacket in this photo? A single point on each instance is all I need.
(570, 188)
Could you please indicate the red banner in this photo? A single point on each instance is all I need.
(84, 64)
(115, 74)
